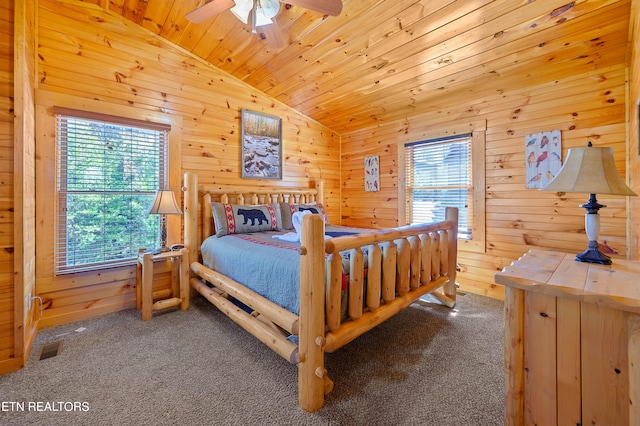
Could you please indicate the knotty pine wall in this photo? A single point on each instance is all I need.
(86, 54)
(17, 182)
(90, 59)
(24, 175)
(584, 107)
(7, 343)
(634, 128)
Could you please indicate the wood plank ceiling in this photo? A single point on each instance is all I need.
(383, 60)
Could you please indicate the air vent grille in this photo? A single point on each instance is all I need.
(50, 350)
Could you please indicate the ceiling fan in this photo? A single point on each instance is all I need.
(261, 13)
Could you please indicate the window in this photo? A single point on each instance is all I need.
(108, 172)
(438, 175)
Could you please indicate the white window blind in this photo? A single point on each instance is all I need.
(438, 175)
(108, 173)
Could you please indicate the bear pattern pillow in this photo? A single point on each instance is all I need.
(244, 219)
(289, 209)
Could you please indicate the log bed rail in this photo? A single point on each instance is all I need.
(403, 264)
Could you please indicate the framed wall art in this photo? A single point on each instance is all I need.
(261, 145)
(543, 155)
(372, 173)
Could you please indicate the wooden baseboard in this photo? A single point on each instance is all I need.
(71, 314)
(32, 332)
(11, 364)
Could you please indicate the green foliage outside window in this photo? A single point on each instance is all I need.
(108, 176)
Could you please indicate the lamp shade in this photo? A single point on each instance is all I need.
(164, 203)
(591, 170)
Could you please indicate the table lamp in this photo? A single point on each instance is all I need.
(590, 170)
(164, 204)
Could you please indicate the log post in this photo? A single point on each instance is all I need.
(388, 271)
(449, 289)
(425, 261)
(184, 279)
(403, 264)
(374, 273)
(191, 215)
(147, 286)
(356, 283)
(311, 388)
(320, 191)
(435, 256)
(414, 275)
(333, 292)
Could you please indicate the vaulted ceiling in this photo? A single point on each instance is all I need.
(383, 60)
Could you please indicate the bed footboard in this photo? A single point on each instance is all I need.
(403, 264)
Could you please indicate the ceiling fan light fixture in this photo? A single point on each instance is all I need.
(269, 8)
(261, 14)
(262, 20)
(264, 14)
(242, 9)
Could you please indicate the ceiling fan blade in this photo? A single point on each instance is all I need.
(328, 7)
(273, 35)
(209, 10)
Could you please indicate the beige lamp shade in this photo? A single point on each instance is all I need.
(591, 170)
(164, 203)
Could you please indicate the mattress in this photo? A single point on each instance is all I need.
(266, 265)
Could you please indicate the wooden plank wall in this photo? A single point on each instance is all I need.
(584, 107)
(86, 53)
(634, 127)
(17, 182)
(89, 54)
(24, 176)
(7, 343)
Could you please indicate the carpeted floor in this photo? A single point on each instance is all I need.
(429, 365)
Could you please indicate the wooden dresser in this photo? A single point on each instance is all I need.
(572, 341)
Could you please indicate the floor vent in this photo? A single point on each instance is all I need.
(50, 350)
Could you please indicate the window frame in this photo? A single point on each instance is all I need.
(477, 243)
(420, 179)
(46, 200)
(66, 117)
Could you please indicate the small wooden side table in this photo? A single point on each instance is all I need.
(572, 341)
(179, 292)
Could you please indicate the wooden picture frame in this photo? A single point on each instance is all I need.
(261, 145)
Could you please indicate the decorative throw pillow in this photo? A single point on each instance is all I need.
(289, 209)
(244, 219)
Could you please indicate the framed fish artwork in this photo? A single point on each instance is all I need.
(543, 156)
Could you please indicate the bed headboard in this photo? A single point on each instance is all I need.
(198, 198)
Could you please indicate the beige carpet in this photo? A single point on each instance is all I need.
(429, 365)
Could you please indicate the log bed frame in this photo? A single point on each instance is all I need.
(415, 260)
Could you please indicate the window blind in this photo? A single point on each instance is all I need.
(107, 176)
(438, 175)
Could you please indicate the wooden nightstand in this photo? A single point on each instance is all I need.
(178, 295)
(572, 341)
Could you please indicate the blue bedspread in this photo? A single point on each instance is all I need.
(266, 265)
